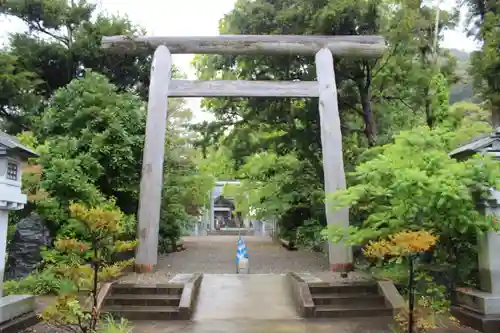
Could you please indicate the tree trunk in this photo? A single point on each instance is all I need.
(429, 118)
(173, 244)
(495, 116)
(368, 116)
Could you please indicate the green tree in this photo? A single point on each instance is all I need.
(62, 42)
(413, 184)
(94, 136)
(91, 137)
(377, 98)
(82, 267)
(186, 183)
(16, 89)
(485, 64)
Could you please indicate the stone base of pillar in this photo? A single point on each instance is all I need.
(340, 257)
(346, 267)
(144, 268)
(478, 309)
(17, 312)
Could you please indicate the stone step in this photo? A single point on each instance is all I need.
(356, 299)
(132, 312)
(328, 288)
(143, 299)
(342, 311)
(145, 289)
(309, 278)
(477, 321)
(181, 278)
(19, 324)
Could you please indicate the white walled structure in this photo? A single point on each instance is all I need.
(12, 155)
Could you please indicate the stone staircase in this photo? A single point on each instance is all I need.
(352, 300)
(172, 301)
(144, 302)
(316, 298)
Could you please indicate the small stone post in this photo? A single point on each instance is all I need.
(4, 221)
(489, 250)
(480, 309)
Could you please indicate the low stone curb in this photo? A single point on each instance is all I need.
(301, 295)
(189, 296)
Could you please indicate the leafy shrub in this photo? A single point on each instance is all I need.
(82, 265)
(431, 305)
(412, 184)
(310, 235)
(109, 325)
(44, 282)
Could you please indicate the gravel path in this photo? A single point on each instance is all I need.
(216, 255)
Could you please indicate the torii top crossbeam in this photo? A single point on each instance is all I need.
(358, 46)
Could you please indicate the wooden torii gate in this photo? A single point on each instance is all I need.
(161, 87)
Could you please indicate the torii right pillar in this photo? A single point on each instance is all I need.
(340, 255)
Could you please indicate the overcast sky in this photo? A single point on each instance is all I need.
(194, 18)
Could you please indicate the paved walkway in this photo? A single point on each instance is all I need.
(357, 325)
(253, 296)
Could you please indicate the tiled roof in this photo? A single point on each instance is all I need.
(484, 143)
(13, 144)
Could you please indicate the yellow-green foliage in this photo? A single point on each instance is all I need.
(401, 244)
(79, 262)
(431, 305)
(112, 326)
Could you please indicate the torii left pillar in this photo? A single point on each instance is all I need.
(151, 187)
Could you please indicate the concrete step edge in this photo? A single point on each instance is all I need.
(340, 308)
(140, 308)
(144, 296)
(346, 295)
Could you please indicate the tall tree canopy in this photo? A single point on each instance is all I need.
(485, 27)
(62, 41)
(376, 97)
(84, 109)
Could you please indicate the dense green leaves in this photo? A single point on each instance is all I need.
(412, 184)
(377, 98)
(273, 185)
(63, 41)
(84, 110)
(91, 139)
(94, 137)
(484, 21)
